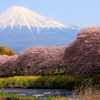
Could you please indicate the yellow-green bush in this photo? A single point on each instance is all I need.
(5, 51)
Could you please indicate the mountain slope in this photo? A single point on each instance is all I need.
(21, 28)
(20, 16)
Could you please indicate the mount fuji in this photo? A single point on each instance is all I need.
(21, 28)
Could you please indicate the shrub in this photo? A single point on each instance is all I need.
(5, 51)
(59, 72)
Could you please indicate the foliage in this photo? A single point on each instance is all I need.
(41, 60)
(82, 58)
(60, 82)
(38, 60)
(5, 51)
(59, 72)
(8, 65)
(66, 82)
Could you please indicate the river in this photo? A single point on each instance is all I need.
(38, 93)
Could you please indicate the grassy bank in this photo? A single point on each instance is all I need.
(88, 93)
(60, 82)
(12, 96)
(66, 82)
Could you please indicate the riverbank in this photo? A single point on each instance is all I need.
(47, 82)
(38, 93)
(12, 96)
(83, 94)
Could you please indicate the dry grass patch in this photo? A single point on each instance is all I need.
(87, 94)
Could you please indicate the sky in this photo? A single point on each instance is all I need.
(82, 13)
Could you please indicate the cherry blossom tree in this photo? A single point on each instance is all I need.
(83, 55)
(41, 59)
(8, 64)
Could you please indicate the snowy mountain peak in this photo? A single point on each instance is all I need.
(21, 28)
(21, 16)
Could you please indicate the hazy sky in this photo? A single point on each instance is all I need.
(76, 12)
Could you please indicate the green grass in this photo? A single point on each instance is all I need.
(12, 96)
(66, 82)
(60, 82)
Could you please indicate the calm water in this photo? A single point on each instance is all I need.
(38, 93)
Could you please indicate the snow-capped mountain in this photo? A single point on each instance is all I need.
(20, 16)
(21, 28)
